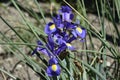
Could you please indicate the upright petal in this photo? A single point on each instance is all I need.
(50, 43)
(66, 17)
(65, 9)
(53, 60)
(58, 21)
(66, 12)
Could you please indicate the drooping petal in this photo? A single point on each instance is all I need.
(53, 70)
(50, 28)
(81, 32)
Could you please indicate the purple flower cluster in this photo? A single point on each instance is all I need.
(61, 32)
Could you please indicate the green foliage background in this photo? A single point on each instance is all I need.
(87, 63)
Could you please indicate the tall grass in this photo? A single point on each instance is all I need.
(92, 64)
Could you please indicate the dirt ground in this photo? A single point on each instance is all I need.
(8, 61)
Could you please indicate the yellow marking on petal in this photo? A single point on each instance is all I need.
(68, 44)
(54, 67)
(79, 29)
(52, 27)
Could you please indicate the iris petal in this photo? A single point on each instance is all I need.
(81, 32)
(53, 61)
(74, 33)
(58, 21)
(66, 12)
(43, 50)
(66, 17)
(54, 69)
(58, 39)
(65, 9)
(71, 39)
(61, 48)
(78, 30)
(50, 44)
(70, 47)
(51, 73)
(50, 28)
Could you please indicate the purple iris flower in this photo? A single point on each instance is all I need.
(66, 12)
(50, 28)
(61, 32)
(53, 68)
(77, 30)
